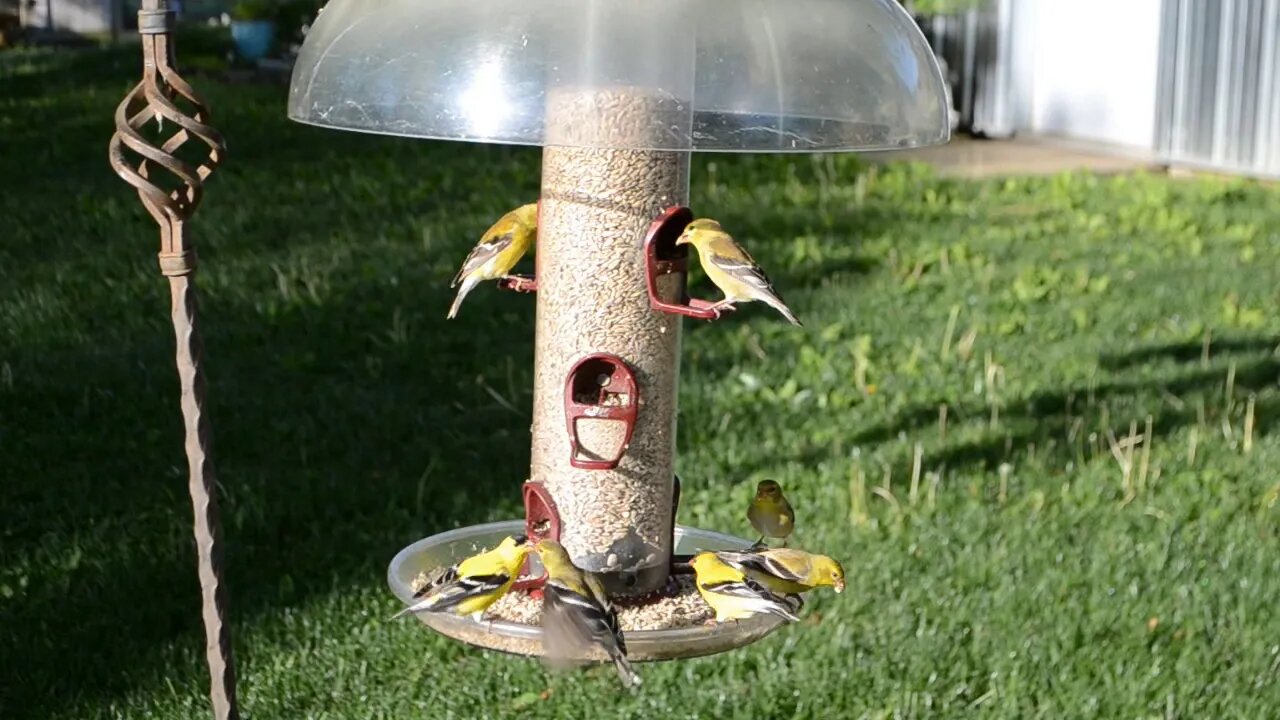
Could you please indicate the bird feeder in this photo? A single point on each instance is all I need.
(618, 93)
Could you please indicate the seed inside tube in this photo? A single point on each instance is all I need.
(592, 297)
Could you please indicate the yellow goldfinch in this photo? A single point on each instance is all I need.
(474, 584)
(731, 268)
(787, 571)
(770, 513)
(498, 251)
(736, 597)
(576, 614)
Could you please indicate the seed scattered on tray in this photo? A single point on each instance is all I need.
(425, 578)
(653, 612)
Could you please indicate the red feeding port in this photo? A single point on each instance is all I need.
(599, 387)
(541, 522)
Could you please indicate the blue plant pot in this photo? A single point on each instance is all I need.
(253, 38)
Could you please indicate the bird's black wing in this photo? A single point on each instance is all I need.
(759, 562)
(483, 253)
(748, 273)
(747, 588)
(448, 575)
(611, 614)
(784, 606)
(447, 596)
(573, 622)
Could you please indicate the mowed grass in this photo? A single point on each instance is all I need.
(1091, 531)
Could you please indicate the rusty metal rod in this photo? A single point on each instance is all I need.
(204, 500)
(141, 160)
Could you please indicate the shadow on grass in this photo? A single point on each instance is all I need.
(29, 74)
(1056, 426)
(333, 450)
(342, 430)
(1189, 351)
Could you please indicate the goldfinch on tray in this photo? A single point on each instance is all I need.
(770, 513)
(471, 586)
(576, 614)
(787, 571)
(736, 597)
(498, 251)
(731, 268)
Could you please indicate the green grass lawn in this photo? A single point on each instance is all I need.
(1018, 573)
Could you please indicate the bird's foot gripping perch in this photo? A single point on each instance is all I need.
(518, 283)
(716, 309)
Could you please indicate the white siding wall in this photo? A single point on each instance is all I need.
(1093, 68)
(81, 16)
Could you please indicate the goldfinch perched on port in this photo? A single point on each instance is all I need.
(736, 597)
(471, 586)
(498, 251)
(731, 268)
(576, 615)
(787, 571)
(770, 513)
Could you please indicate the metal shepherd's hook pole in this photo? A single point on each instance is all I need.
(173, 116)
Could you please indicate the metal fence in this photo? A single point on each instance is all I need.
(1218, 100)
(1219, 95)
(976, 50)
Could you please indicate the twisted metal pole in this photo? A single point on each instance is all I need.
(167, 109)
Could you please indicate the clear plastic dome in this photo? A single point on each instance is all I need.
(718, 75)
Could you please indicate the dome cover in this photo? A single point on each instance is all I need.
(718, 75)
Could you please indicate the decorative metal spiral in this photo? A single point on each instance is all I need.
(152, 102)
(154, 165)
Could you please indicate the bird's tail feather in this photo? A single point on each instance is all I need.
(625, 671)
(422, 605)
(776, 303)
(781, 610)
(467, 286)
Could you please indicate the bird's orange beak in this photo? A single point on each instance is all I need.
(683, 239)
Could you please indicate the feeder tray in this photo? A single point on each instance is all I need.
(447, 548)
